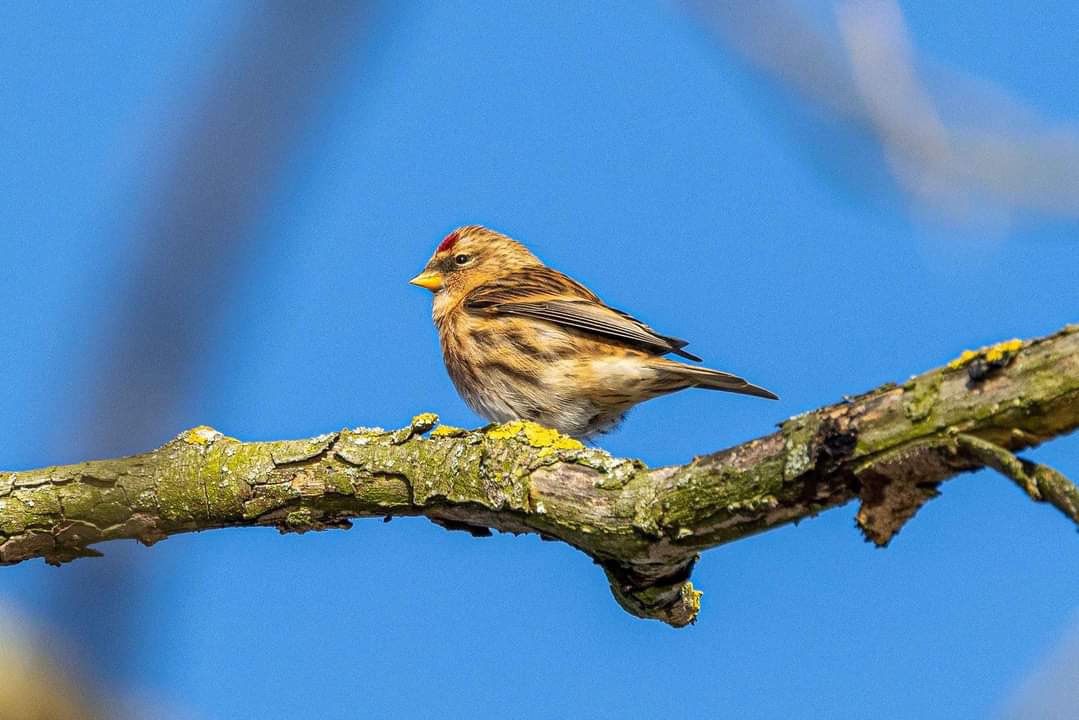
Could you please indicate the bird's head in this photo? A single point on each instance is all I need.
(470, 256)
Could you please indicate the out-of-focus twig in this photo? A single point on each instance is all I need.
(957, 147)
(1051, 688)
(195, 224)
(34, 684)
(187, 236)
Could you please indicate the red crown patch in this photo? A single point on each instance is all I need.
(448, 242)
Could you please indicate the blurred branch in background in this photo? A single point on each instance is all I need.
(960, 149)
(188, 238)
(34, 682)
(195, 224)
(1051, 689)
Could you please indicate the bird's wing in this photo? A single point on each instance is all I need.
(547, 294)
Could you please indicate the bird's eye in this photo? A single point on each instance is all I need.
(462, 259)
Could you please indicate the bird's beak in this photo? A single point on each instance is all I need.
(428, 280)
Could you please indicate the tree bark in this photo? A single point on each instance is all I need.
(889, 448)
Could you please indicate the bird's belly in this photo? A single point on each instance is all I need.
(495, 406)
(512, 370)
(549, 398)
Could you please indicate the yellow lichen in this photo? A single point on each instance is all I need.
(448, 431)
(201, 435)
(692, 598)
(536, 435)
(963, 360)
(998, 351)
(424, 421)
(993, 353)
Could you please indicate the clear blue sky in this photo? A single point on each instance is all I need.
(632, 151)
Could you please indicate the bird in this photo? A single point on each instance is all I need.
(522, 341)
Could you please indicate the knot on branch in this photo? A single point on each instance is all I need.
(671, 599)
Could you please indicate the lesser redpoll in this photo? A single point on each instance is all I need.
(522, 341)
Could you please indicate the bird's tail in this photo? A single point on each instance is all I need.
(703, 377)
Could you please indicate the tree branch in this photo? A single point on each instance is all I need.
(890, 448)
(1040, 482)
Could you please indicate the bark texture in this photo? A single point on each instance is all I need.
(889, 448)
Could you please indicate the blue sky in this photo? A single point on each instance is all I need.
(630, 149)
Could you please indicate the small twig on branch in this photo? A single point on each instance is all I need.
(1041, 482)
(889, 448)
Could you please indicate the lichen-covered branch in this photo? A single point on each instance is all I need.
(889, 448)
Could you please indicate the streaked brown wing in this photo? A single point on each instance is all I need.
(549, 295)
(535, 283)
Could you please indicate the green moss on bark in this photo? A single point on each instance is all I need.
(644, 526)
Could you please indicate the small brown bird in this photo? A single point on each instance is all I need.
(522, 341)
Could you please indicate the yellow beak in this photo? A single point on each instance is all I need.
(428, 280)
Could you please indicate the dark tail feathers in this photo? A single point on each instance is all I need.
(713, 379)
